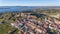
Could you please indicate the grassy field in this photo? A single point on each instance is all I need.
(5, 28)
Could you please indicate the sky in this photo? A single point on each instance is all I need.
(29, 2)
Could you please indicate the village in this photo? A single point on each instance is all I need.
(32, 25)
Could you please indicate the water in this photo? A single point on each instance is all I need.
(23, 8)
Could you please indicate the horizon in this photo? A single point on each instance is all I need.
(29, 2)
(37, 6)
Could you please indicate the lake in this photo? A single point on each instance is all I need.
(23, 8)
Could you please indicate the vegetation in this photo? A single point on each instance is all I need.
(5, 28)
(48, 11)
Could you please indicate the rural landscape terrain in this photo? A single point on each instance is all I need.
(33, 21)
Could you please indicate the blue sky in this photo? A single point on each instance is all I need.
(29, 2)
